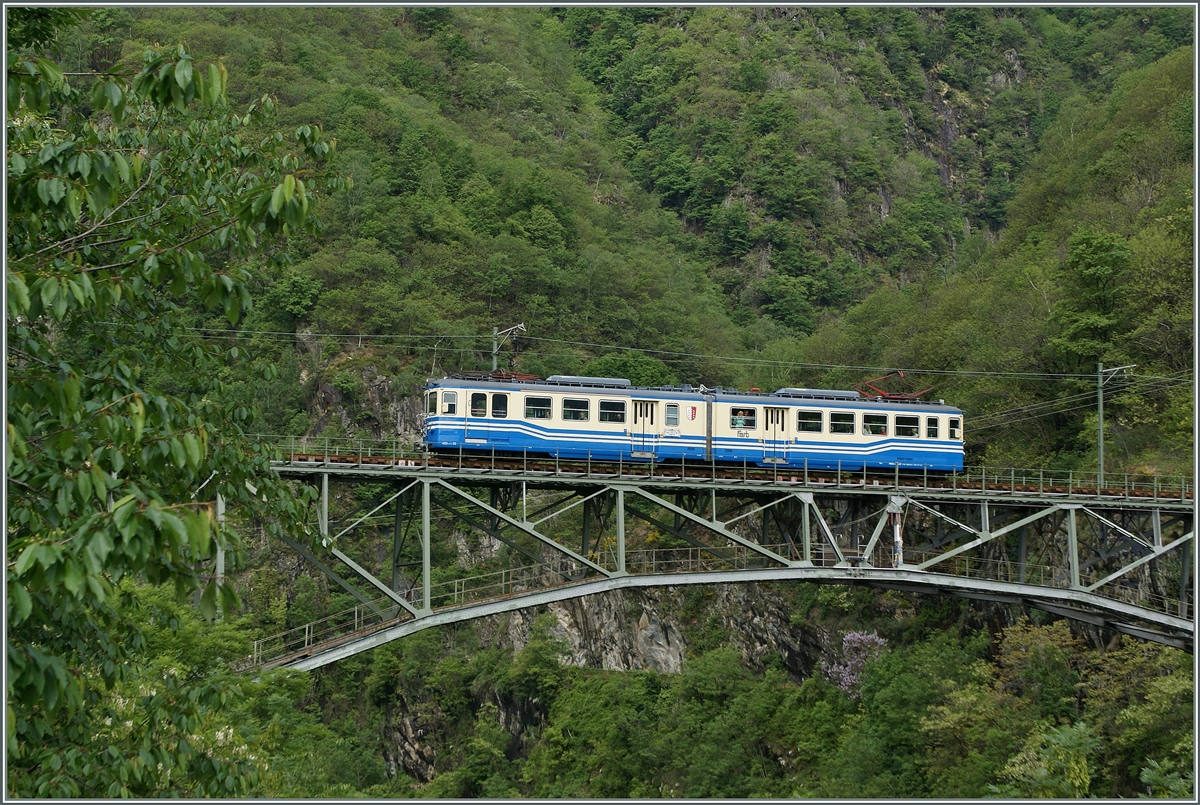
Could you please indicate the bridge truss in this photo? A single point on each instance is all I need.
(529, 534)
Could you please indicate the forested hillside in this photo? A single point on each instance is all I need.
(992, 200)
(754, 197)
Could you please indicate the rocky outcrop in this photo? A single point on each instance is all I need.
(640, 630)
(410, 735)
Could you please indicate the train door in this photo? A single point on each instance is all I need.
(476, 424)
(775, 435)
(645, 428)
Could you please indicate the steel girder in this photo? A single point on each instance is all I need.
(1038, 550)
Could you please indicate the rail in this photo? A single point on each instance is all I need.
(997, 481)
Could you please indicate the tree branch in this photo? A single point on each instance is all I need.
(62, 243)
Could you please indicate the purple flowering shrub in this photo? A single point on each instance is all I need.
(857, 648)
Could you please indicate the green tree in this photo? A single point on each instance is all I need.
(1093, 276)
(126, 211)
(636, 367)
(1056, 763)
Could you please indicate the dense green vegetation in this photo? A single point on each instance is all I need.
(994, 200)
(748, 195)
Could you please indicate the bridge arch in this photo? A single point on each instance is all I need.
(1119, 559)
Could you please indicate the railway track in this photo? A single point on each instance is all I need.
(999, 483)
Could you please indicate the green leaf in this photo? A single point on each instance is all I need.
(199, 527)
(25, 559)
(101, 544)
(216, 85)
(83, 483)
(229, 598)
(83, 164)
(176, 527)
(122, 166)
(183, 72)
(51, 72)
(71, 390)
(177, 453)
(137, 411)
(74, 203)
(276, 200)
(208, 601)
(192, 446)
(22, 605)
(18, 293)
(72, 576)
(99, 483)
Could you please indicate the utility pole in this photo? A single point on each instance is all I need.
(1100, 425)
(497, 341)
(1100, 381)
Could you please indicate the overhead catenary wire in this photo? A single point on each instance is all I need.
(1145, 385)
(279, 335)
(1014, 416)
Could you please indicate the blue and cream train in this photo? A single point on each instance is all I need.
(609, 419)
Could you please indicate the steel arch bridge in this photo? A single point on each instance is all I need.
(548, 531)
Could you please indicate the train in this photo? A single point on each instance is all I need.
(610, 419)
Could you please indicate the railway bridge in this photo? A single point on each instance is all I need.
(516, 531)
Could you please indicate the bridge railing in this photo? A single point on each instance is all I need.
(359, 618)
(1128, 590)
(994, 480)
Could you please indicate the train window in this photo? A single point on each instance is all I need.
(955, 433)
(612, 411)
(874, 425)
(537, 408)
(449, 402)
(931, 427)
(478, 404)
(908, 425)
(499, 406)
(810, 421)
(841, 423)
(575, 410)
(744, 418)
(672, 419)
(431, 402)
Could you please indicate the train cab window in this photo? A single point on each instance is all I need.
(874, 425)
(537, 408)
(450, 402)
(841, 423)
(431, 402)
(499, 406)
(612, 411)
(478, 404)
(810, 421)
(672, 415)
(931, 427)
(955, 431)
(744, 418)
(908, 425)
(576, 410)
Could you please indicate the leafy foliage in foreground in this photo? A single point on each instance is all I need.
(125, 206)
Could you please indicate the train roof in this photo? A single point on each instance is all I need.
(610, 385)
